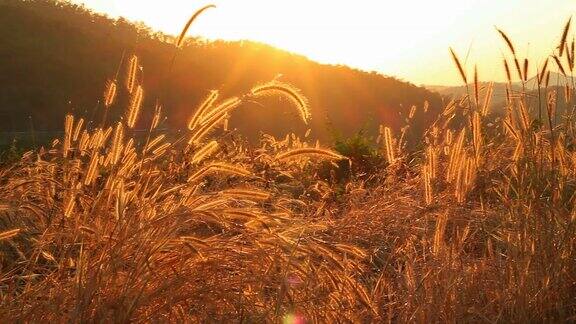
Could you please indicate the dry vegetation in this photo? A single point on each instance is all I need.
(478, 226)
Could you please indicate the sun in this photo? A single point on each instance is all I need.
(408, 39)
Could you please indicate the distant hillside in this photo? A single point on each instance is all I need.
(55, 57)
(499, 96)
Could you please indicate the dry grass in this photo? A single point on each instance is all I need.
(205, 228)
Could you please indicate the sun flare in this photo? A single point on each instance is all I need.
(408, 38)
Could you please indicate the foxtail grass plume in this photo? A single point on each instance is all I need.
(309, 152)
(559, 64)
(91, 173)
(543, 71)
(205, 151)
(246, 193)
(459, 66)
(180, 39)
(487, 99)
(157, 116)
(219, 167)
(427, 180)
(389, 145)
(77, 129)
(288, 91)
(110, 94)
(117, 143)
(564, 36)
(132, 73)
(135, 106)
(68, 124)
(223, 108)
(155, 141)
(6, 235)
(201, 111)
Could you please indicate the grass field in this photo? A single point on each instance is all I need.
(477, 225)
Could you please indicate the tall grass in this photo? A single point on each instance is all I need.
(478, 226)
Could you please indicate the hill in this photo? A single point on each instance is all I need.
(499, 93)
(55, 57)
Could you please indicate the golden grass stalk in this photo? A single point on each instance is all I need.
(459, 66)
(160, 150)
(84, 142)
(412, 112)
(127, 163)
(507, 70)
(551, 108)
(92, 171)
(135, 106)
(246, 193)
(518, 69)
(212, 204)
(455, 154)
(542, 73)
(487, 99)
(507, 40)
(132, 73)
(524, 116)
(67, 143)
(153, 142)
(205, 151)
(6, 235)
(110, 94)
(105, 137)
(518, 150)
(460, 175)
(559, 64)
(509, 127)
(389, 145)
(470, 174)
(432, 161)
(289, 92)
(117, 143)
(200, 111)
(477, 135)
(438, 244)
(77, 129)
(450, 108)
(525, 71)
(427, 180)
(569, 58)
(95, 138)
(223, 108)
(206, 127)
(69, 206)
(513, 50)
(564, 37)
(309, 152)
(547, 79)
(226, 123)
(129, 147)
(180, 39)
(561, 154)
(157, 116)
(219, 167)
(476, 87)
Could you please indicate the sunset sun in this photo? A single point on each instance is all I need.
(392, 38)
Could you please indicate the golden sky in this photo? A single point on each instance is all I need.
(405, 38)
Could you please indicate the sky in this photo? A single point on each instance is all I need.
(408, 39)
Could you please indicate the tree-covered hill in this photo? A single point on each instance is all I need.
(55, 57)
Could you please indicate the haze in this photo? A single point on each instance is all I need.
(408, 39)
